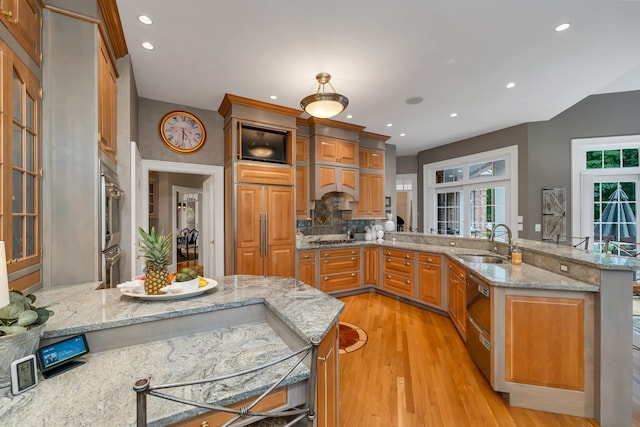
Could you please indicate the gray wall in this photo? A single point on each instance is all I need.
(150, 114)
(515, 135)
(544, 148)
(610, 114)
(406, 164)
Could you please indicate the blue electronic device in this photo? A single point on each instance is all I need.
(55, 358)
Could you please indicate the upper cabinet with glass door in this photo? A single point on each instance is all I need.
(21, 206)
(23, 19)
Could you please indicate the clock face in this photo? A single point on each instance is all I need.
(182, 132)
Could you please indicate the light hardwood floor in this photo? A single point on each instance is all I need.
(415, 371)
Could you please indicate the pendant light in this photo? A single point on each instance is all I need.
(324, 104)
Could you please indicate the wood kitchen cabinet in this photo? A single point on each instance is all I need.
(328, 375)
(20, 211)
(371, 201)
(429, 279)
(339, 269)
(331, 178)
(398, 271)
(302, 179)
(260, 196)
(371, 266)
(333, 151)
(302, 191)
(23, 20)
(107, 94)
(276, 399)
(371, 159)
(458, 298)
(307, 267)
(265, 238)
(532, 329)
(302, 150)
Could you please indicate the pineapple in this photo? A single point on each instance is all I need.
(157, 250)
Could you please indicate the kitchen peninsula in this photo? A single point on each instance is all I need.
(245, 321)
(560, 335)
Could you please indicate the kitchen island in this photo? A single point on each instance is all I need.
(245, 321)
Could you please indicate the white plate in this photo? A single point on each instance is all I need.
(210, 285)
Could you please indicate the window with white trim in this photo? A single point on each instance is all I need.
(605, 182)
(467, 196)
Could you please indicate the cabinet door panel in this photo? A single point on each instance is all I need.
(302, 193)
(280, 216)
(371, 266)
(248, 210)
(349, 179)
(280, 261)
(302, 152)
(377, 195)
(328, 380)
(429, 283)
(348, 153)
(327, 150)
(248, 261)
(307, 272)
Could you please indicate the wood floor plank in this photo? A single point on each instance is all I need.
(415, 371)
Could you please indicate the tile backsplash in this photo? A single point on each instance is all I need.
(327, 218)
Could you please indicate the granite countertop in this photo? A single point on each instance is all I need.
(100, 392)
(504, 274)
(81, 308)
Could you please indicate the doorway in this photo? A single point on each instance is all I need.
(406, 202)
(187, 220)
(211, 205)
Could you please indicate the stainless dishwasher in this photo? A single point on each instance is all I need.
(479, 323)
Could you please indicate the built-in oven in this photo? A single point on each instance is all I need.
(479, 323)
(111, 267)
(110, 196)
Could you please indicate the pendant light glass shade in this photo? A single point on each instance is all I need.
(324, 104)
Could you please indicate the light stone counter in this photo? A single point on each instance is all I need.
(504, 274)
(100, 392)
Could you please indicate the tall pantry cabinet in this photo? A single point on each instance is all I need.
(260, 207)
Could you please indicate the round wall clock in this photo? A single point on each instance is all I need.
(182, 132)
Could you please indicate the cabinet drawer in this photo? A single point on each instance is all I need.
(340, 265)
(339, 282)
(398, 284)
(339, 252)
(302, 256)
(398, 266)
(429, 259)
(398, 253)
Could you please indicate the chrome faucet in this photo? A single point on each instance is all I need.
(509, 235)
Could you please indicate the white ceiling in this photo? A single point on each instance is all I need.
(457, 55)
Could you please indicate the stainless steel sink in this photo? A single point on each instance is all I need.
(486, 259)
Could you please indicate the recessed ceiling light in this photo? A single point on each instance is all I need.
(510, 85)
(147, 45)
(453, 115)
(563, 26)
(349, 116)
(389, 125)
(145, 19)
(402, 134)
(273, 97)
